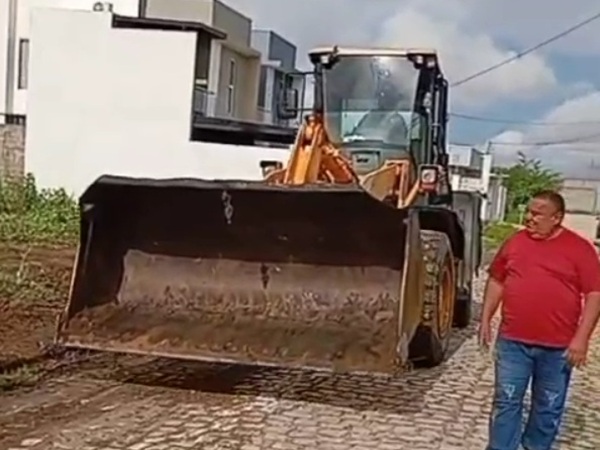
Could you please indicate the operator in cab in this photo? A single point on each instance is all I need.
(383, 123)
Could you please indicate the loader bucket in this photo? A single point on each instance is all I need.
(236, 271)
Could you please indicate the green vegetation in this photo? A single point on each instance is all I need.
(30, 215)
(32, 220)
(523, 180)
(33, 279)
(22, 376)
(495, 233)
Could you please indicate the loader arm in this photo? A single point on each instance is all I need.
(314, 159)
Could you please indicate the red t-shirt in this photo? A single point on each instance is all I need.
(544, 284)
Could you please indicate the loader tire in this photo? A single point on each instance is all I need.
(429, 345)
(463, 309)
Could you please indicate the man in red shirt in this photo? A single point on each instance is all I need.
(547, 279)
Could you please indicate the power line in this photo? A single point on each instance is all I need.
(527, 51)
(521, 122)
(579, 139)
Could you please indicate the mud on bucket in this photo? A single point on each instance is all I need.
(239, 272)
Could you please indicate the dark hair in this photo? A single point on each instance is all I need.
(553, 197)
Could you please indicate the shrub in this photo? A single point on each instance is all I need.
(31, 215)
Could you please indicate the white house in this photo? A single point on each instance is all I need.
(226, 74)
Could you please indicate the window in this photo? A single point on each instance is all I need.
(231, 87)
(262, 87)
(23, 63)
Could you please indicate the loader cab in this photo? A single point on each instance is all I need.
(379, 105)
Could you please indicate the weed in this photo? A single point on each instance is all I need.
(32, 215)
(20, 377)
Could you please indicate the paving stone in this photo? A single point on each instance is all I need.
(444, 408)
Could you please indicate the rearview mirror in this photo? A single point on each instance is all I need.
(288, 104)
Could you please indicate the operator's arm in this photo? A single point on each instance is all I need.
(588, 267)
(494, 286)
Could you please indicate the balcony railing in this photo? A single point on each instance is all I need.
(204, 102)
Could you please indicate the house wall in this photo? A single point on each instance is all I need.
(16, 26)
(260, 40)
(245, 93)
(90, 112)
(237, 26)
(282, 50)
(581, 194)
(580, 199)
(190, 10)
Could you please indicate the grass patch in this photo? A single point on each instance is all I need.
(495, 233)
(34, 274)
(22, 376)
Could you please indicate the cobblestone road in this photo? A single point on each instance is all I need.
(155, 406)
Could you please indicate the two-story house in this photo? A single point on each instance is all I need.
(227, 68)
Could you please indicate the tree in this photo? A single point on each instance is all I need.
(524, 179)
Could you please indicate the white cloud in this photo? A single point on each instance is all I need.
(446, 26)
(530, 22)
(575, 123)
(463, 53)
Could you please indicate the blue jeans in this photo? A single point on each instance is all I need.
(550, 373)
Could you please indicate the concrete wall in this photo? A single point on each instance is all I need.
(90, 109)
(583, 224)
(189, 10)
(90, 112)
(582, 194)
(12, 151)
(580, 199)
(16, 27)
(246, 74)
(260, 40)
(237, 26)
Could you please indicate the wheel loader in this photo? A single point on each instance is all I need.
(349, 257)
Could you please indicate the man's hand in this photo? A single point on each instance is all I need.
(577, 352)
(491, 301)
(485, 334)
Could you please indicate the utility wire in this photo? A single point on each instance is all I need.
(579, 139)
(529, 50)
(522, 122)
